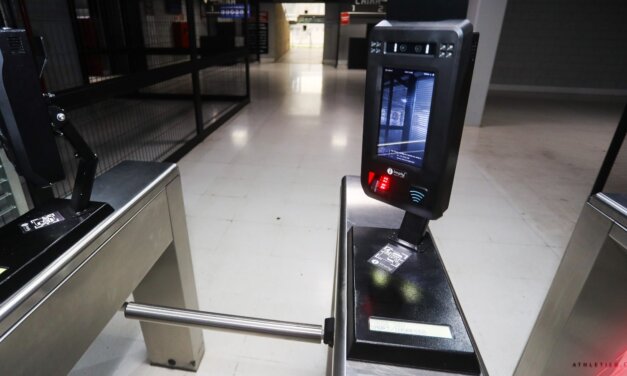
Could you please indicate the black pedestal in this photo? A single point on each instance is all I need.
(401, 307)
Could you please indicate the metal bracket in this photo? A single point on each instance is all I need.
(87, 159)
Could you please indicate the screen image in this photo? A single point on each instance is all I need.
(405, 110)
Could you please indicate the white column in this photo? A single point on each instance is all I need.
(487, 18)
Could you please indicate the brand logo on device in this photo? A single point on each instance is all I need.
(397, 173)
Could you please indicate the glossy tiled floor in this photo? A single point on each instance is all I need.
(261, 195)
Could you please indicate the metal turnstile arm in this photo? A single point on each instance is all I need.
(208, 320)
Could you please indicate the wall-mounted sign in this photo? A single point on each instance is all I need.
(376, 6)
(263, 16)
(263, 32)
(236, 11)
(345, 18)
(258, 33)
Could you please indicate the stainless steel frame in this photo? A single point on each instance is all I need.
(142, 248)
(581, 327)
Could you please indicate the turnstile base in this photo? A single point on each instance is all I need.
(404, 312)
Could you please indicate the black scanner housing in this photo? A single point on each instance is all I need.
(25, 128)
(448, 110)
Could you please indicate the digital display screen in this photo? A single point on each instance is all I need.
(405, 111)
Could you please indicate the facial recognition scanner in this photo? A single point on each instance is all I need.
(402, 309)
(27, 128)
(416, 93)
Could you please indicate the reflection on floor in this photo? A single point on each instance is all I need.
(261, 196)
(302, 55)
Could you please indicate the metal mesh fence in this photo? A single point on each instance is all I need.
(178, 85)
(224, 79)
(157, 61)
(129, 128)
(123, 71)
(163, 27)
(221, 82)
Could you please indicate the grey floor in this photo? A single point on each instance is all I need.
(262, 201)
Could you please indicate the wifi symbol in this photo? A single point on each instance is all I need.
(416, 196)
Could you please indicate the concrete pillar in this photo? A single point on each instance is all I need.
(487, 18)
(331, 33)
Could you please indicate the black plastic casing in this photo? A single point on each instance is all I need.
(448, 110)
(25, 128)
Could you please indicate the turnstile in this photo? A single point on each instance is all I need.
(582, 327)
(141, 248)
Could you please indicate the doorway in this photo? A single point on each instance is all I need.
(306, 22)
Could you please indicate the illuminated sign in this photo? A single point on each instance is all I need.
(235, 11)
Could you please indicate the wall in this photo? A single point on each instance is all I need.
(281, 32)
(157, 30)
(569, 46)
(278, 32)
(331, 30)
(487, 18)
(347, 32)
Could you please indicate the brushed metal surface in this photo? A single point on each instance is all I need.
(127, 199)
(336, 362)
(583, 316)
(618, 233)
(595, 330)
(357, 209)
(614, 205)
(47, 325)
(67, 320)
(171, 283)
(209, 320)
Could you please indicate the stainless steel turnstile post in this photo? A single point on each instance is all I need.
(581, 327)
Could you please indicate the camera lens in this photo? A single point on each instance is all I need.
(402, 47)
(417, 48)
